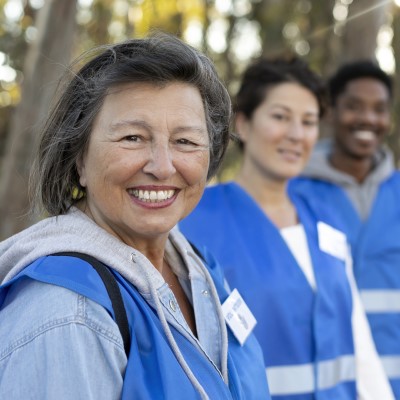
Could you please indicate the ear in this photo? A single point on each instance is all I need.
(80, 166)
(242, 127)
(330, 112)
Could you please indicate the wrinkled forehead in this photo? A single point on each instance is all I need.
(151, 107)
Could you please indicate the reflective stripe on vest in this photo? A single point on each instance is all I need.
(391, 365)
(297, 379)
(381, 301)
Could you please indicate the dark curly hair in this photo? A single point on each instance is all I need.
(265, 73)
(356, 70)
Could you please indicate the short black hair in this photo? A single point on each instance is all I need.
(264, 74)
(356, 70)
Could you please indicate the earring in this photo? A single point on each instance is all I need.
(77, 193)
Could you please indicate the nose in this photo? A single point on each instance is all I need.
(295, 131)
(369, 116)
(159, 162)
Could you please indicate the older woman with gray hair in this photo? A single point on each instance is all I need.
(105, 298)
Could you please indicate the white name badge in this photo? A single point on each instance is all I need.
(332, 241)
(238, 316)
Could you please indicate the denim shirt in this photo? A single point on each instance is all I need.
(37, 317)
(197, 291)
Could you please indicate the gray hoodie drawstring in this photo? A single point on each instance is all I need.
(153, 291)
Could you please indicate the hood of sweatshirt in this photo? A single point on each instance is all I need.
(75, 231)
(319, 166)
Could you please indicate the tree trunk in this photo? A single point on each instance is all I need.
(360, 33)
(323, 42)
(45, 61)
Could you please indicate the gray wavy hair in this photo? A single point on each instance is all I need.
(158, 59)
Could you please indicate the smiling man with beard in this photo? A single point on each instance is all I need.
(354, 172)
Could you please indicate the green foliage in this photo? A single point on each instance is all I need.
(305, 27)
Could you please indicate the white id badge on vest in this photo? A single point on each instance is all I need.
(332, 241)
(238, 316)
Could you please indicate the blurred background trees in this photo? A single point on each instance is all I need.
(38, 38)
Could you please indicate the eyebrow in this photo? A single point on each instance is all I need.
(196, 129)
(137, 123)
(355, 97)
(312, 113)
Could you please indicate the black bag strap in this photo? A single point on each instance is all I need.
(113, 292)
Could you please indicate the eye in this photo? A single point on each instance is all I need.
(280, 117)
(132, 138)
(310, 122)
(186, 142)
(381, 109)
(353, 106)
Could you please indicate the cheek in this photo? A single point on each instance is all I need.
(194, 167)
(347, 117)
(107, 168)
(385, 120)
(314, 137)
(309, 143)
(262, 136)
(261, 126)
(270, 131)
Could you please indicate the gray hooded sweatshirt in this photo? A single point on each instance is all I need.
(76, 232)
(362, 195)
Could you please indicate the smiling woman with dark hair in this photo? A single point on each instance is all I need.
(288, 256)
(106, 299)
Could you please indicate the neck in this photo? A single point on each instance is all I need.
(271, 196)
(154, 251)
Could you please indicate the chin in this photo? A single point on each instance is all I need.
(365, 152)
(291, 171)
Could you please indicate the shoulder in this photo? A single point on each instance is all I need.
(32, 309)
(319, 195)
(306, 185)
(213, 193)
(207, 211)
(319, 200)
(394, 178)
(213, 198)
(72, 342)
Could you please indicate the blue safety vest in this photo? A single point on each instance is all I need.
(376, 256)
(306, 336)
(155, 373)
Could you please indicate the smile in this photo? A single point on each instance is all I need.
(152, 196)
(290, 153)
(364, 135)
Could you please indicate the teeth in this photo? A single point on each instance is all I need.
(364, 135)
(152, 196)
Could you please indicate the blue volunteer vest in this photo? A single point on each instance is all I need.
(306, 337)
(153, 371)
(376, 255)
